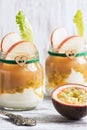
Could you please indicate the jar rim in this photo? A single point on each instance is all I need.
(20, 59)
(14, 62)
(50, 52)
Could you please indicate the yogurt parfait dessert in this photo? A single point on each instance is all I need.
(21, 74)
(67, 57)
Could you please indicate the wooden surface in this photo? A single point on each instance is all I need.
(47, 119)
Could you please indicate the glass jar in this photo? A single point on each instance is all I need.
(64, 68)
(21, 82)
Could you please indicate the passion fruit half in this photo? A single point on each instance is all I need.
(70, 100)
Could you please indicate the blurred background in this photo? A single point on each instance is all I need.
(44, 16)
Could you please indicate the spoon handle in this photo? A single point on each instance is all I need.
(18, 119)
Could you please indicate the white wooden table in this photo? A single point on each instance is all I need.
(47, 119)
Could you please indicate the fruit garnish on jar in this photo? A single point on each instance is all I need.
(14, 45)
(0, 46)
(78, 20)
(24, 27)
(61, 41)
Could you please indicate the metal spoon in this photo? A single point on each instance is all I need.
(18, 119)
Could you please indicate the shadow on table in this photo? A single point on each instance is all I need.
(61, 120)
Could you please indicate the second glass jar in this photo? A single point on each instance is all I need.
(63, 69)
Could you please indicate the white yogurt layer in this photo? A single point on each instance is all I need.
(48, 89)
(25, 100)
(75, 77)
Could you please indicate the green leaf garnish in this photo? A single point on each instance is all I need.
(78, 20)
(24, 27)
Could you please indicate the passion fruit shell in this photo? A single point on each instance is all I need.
(71, 111)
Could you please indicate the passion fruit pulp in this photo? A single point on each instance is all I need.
(70, 100)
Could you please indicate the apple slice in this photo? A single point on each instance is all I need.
(76, 43)
(0, 46)
(21, 48)
(8, 40)
(58, 35)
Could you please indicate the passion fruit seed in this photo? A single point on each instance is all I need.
(73, 96)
